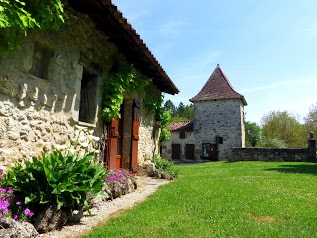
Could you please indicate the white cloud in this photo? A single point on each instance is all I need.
(281, 84)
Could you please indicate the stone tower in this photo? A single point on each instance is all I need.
(218, 123)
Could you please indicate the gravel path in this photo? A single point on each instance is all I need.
(100, 214)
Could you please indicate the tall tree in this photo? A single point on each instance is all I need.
(252, 133)
(181, 110)
(169, 106)
(311, 120)
(285, 127)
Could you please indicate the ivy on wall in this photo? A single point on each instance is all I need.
(19, 16)
(126, 80)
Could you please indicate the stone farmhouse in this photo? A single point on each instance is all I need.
(218, 125)
(53, 84)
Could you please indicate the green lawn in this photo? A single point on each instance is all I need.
(220, 199)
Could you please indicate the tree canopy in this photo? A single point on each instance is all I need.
(252, 133)
(285, 127)
(181, 112)
(311, 120)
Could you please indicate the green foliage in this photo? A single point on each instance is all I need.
(57, 179)
(169, 106)
(125, 80)
(156, 105)
(252, 133)
(311, 120)
(285, 127)
(165, 118)
(165, 166)
(165, 135)
(180, 113)
(19, 16)
(272, 143)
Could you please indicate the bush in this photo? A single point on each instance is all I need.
(272, 143)
(64, 180)
(165, 166)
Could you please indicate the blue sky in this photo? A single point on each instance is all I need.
(267, 49)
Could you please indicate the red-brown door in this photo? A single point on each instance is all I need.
(114, 144)
(113, 134)
(176, 151)
(213, 152)
(135, 136)
(190, 151)
(210, 151)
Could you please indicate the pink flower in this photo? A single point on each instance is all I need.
(28, 212)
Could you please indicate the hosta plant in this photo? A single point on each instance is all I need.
(57, 177)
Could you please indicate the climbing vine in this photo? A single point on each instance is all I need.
(124, 81)
(19, 16)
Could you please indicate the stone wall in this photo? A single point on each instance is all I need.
(222, 118)
(40, 87)
(174, 139)
(269, 154)
(149, 133)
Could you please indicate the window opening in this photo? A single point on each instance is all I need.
(88, 90)
(182, 135)
(41, 60)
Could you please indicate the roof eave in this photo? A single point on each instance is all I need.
(111, 21)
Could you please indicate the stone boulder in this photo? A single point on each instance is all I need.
(50, 219)
(10, 228)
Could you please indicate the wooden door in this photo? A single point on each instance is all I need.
(113, 134)
(114, 145)
(176, 151)
(135, 136)
(190, 151)
(213, 152)
(210, 151)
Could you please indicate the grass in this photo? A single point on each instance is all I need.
(242, 199)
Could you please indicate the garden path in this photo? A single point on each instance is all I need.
(107, 209)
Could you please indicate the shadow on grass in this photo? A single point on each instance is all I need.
(296, 168)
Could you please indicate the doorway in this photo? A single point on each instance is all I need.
(210, 151)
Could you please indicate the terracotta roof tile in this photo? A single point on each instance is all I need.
(181, 126)
(218, 87)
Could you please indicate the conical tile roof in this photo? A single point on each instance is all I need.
(217, 87)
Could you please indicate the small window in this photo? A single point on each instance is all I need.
(219, 140)
(41, 60)
(88, 90)
(182, 135)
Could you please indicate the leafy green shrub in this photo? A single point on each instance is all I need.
(57, 178)
(165, 166)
